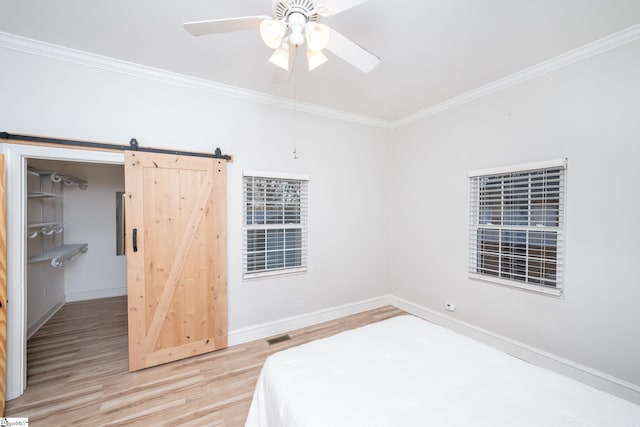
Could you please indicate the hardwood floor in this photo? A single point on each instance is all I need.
(77, 373)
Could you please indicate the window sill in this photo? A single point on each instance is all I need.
(275, 273)
(556, 292)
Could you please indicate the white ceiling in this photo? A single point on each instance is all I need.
(431, 50)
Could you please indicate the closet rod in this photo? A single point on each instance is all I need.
(133, 146)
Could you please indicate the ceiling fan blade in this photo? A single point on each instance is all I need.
(333, 7)
(215, 26)
(354, 54)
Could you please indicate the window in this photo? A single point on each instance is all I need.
(517, 225)
(275, 224)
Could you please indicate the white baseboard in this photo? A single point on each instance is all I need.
(269, 329)
(97, 294)
(37, 324)
(584, 374)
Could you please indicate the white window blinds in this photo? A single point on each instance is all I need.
(517, 225)
(275, 224)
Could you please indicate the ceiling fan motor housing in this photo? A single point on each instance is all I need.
(282, 9)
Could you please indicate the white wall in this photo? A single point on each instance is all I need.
(399, 225)
(588, 112)
(90, 217)
(347, 164)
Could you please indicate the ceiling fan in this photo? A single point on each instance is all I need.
(295, 22)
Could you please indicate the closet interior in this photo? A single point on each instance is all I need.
(72, 243)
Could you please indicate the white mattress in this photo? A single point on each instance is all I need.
(408, 372)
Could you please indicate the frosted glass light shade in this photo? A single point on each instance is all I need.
(315, 59)
(272, 31)
(317, 36)
(280, 57)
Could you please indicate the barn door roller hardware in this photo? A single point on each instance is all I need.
(133, 146)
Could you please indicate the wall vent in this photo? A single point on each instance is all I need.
(276, 340)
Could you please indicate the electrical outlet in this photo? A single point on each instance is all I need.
(45, 292)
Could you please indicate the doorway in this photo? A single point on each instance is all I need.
(71, 236)
(171, 197)
(16, 156)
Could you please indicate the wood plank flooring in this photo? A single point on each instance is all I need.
(77, 373)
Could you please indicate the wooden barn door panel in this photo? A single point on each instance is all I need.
(3, 285)
(177, 279)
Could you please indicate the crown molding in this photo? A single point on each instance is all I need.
(587, 51)
(40, 48)
(48, 50)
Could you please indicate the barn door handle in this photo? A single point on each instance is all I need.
(135, 240)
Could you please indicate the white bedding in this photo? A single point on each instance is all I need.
(408, 372)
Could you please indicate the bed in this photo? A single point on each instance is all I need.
(406, 371)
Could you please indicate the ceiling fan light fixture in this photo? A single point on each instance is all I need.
(280, 57)
(272, 31)
(315, 59)
(296, 21)
(296, 37)
(317, 36)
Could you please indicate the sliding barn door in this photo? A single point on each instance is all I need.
(175, 215)
(3, 285)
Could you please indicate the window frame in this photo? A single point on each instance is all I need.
(302, 225)
(475, 213)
